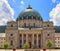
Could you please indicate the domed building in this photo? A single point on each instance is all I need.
(29, 27)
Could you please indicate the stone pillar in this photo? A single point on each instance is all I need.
(26, 37)
(22, 40)
(37, 40)
(33, 41)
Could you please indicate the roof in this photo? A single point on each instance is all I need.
(57, 34)
(29, 13)
(2, 34)
(2, 29)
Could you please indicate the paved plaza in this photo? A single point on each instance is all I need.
(24, 50)
(11, 50)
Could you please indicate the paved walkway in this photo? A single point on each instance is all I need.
(11, 50)
(24, 50)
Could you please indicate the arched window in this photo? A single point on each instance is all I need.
(35, 35)
(32, 17)
(48, 34)
(24, 35)
(48, 25)
(11, 43)
(22, 18)
(34, 24)
(27, 17)
(39, 35)
(24, 24)
(11, 25)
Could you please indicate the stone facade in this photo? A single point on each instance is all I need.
(31, 29)
(2, 39)
(37, 37)
(57, 40)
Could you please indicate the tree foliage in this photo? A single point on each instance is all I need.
(49, 44)
(57, 29)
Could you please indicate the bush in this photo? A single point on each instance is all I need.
(49, 44)
(26, 45)
(6, 45)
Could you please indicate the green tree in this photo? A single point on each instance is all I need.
(49, 44)
(6, 44)
(26, 45)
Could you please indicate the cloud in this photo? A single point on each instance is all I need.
(22, 2)
(53, 1)
(55, 15)
(14, 1)
(6, 12)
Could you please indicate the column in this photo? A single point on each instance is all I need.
(37, 40)
(26, 37)
(32, 40)
(22, 40)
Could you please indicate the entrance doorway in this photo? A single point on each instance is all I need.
(30, 44)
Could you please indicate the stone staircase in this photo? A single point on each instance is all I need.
(32, 49)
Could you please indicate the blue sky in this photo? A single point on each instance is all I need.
(42, 6)
(48, 9)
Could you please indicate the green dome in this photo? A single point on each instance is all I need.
(29, 13)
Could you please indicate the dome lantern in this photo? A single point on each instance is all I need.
(29, 6)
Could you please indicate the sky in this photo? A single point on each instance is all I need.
(48, 9)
